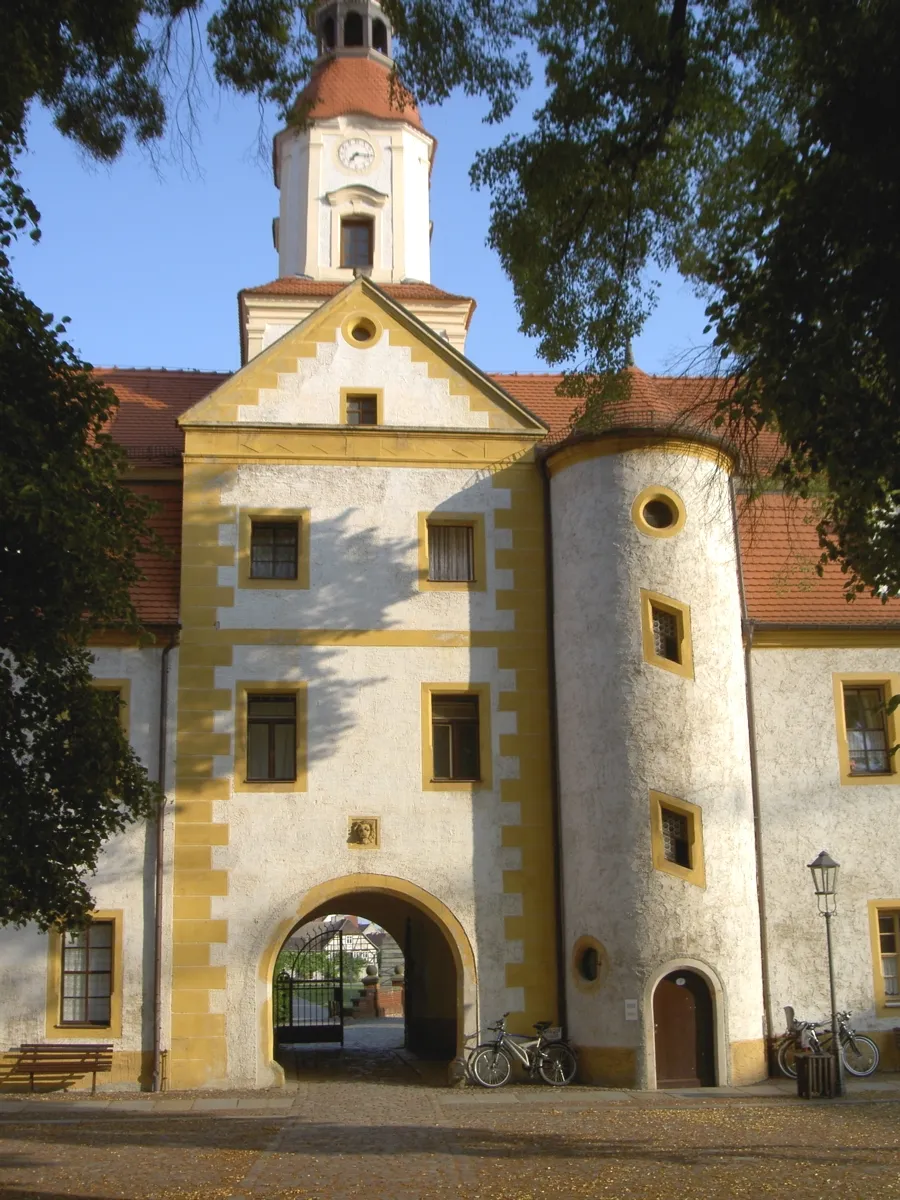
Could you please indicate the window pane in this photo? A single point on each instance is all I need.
(75, 985)
(465, 765)
(101, 959)
(675, 837)
(284, 751)
(665, 634)
(98, 1010)
(75, 958)
(451, 555)
(441, 738)
(273, 550)
(72, 1010)
(257, 750)
(362, 410)
(100, 934)
(268, 708)
(455, 708)
(356, 243)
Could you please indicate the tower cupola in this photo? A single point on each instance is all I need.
(355, 27)
(354, 175)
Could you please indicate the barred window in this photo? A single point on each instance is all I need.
(889, 944)
(455, 737)
(451, 553)
(272, 737)
(356, 243)
(87, 974)
(676, 834)
(665, 634)
(273, 549)
(362, 410)
(867, 739)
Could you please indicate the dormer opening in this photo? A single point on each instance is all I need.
(353, 29)
(329, 36)
(379, 36)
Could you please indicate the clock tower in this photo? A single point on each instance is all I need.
(354, 182)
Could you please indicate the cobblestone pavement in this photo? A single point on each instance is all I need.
(369, 1122)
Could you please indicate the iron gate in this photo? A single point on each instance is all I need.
(308, 990)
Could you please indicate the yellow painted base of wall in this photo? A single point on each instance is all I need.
(129, 1067)
(607, 1066)
(887, 1042)
(748, 1062)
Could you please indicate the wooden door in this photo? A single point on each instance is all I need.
(683, 1023)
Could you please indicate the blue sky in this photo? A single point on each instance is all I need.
(148, 259)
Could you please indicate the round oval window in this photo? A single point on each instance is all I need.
(589, 964)
(363, 331)
(659, 513)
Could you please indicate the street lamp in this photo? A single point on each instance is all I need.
(824, 872)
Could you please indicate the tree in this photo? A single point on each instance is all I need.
(71, 534)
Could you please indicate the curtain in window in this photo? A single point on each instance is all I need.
(451, 553)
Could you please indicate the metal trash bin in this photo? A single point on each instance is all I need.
(816, 1077)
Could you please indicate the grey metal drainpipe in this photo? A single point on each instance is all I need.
(561, 956)
(748, 628)
(160, 864)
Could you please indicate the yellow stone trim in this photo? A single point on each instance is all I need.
(609, 1066)
(54, 1030)
(883, 1007)
(366, 319)
(586, 942)
(890, 686)
(123, 687)
(475, 521)
(826, 639)
(485, 754)
(246, 518)
(695, 874)
(605, 445)
(346, 445)
(352, 393)
(284, 687)
(658, 492)
(682, 614)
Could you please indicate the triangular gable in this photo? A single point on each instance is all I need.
(425, 382)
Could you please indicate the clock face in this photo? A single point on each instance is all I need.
(356, 154)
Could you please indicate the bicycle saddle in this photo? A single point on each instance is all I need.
(540, 1026)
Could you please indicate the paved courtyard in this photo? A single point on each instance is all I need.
(370, 1122)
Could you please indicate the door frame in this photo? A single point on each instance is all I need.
(717, 995)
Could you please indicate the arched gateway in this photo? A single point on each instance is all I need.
(440, 993)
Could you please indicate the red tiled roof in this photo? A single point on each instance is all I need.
(296, 285)
(778, 542)
(779, 552)
(150, 401)
(156, 596)
(350, 84)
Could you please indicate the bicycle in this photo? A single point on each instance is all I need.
(859, 1053)
(547, 1055)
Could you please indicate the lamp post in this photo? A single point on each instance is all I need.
(824, 872)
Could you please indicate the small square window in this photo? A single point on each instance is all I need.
(87, 975)
(272, 737)
(451, 553)
(455, 738)
(676, 837)
(273, 549)
(865, 717)
(357, 242)
(362, 410)
(665, 634)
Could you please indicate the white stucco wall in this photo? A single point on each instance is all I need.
(412, 397)
(804, 808)
(626, 727)
(124, 881)
(364, 548)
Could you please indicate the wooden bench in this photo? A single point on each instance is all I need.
(61, 1060)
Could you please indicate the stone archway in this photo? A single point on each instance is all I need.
(441, 1004)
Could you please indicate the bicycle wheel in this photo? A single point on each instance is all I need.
(490, 1067)
(557, 1064)
(787, 1058)
(861, 1055)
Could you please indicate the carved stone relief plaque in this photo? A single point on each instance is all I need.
(363, 833)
